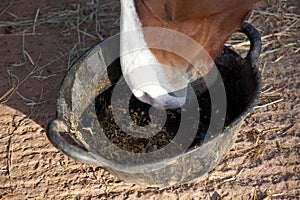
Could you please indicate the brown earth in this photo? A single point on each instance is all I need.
(263, 164)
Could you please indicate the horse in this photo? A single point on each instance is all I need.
(155, 74)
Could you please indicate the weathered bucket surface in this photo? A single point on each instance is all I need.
(77, 133)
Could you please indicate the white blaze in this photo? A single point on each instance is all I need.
(143, 73)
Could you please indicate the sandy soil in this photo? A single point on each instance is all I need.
(264, 163)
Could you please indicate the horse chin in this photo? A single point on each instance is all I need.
(159, 98)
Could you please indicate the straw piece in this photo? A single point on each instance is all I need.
(7, 93)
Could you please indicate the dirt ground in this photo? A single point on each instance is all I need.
(40, 39)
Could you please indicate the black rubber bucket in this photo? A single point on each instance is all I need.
(77, 132)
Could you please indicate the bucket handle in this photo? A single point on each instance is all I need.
(255, 41)
(54, 129)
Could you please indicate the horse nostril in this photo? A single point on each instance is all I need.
(172, 94)
(178, 94)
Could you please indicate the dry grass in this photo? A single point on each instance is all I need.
(275, 22)
(101, 14)
(96, 19)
